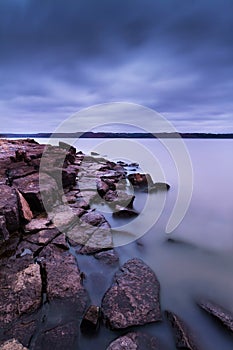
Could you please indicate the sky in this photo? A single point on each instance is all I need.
(173, 56)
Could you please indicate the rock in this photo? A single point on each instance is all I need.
(24, 209)
(20, 291)
(37, 224)
(134, 341)
(60, 242)
(133, 298)
(109, 257)
(140, 180)
(43, 237)
(102, 188)
(159, 186)
(225, 317)
(12, 344)
(90, 321)
(4, 234)
(63, 278)
(101, 239)
(67, 147)
(9, 207)
(93, 218)
(182, 335)
(122, 212)
(60, 337)
(34, 189)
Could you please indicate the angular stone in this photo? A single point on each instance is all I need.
(140, 180)
(90, 321)
(134, 341)
(63, 277)
(225, 317)
(183, 338)
(133, 298)
(101, 239)
(20, 293)
(122, 212)
(9, 207)
(38, 191)
(109, 257)
(24, 209)
(12, 344)
(93, 218)
(37, 224)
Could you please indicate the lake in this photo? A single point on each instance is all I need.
(198, 261)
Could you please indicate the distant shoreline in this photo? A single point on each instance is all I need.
(119, 135)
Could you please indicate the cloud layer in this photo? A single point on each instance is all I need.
(175, 56)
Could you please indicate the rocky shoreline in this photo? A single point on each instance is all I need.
(44, 212)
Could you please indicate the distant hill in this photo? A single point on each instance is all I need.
(120, 135)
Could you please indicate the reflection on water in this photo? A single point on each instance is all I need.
(200, 263)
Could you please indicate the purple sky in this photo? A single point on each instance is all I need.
(175, 56)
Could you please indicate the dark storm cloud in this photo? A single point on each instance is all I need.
(172, 55)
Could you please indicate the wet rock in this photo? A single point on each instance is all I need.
(12, 344)
(20, 292)
(102, 187)
(101, 239)
(225, 317)
(34, 189)
(140, 180)
(60, 242)
(63, 278)
(90, 321)
(109, 257)
(24, 209)
(122, 212)
(183, 338)
(159, 186)
(9, 207)
(22, 330)
(60, 337)
(93, 218)
(133, 298)
(134, 341)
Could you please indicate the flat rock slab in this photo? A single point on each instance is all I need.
(183, 337)
(12, 344)
(133, 298)
(63, 277)
(222, 315)
(134, 341)
(20, 292)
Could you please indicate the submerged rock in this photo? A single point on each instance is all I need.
(134, 341)
(133, 298)
(182, 335)
(225, 317)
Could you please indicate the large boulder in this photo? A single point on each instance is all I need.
(140, 180)
(133, 298)
(134, 341)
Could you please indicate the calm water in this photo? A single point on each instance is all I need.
(200, 263)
